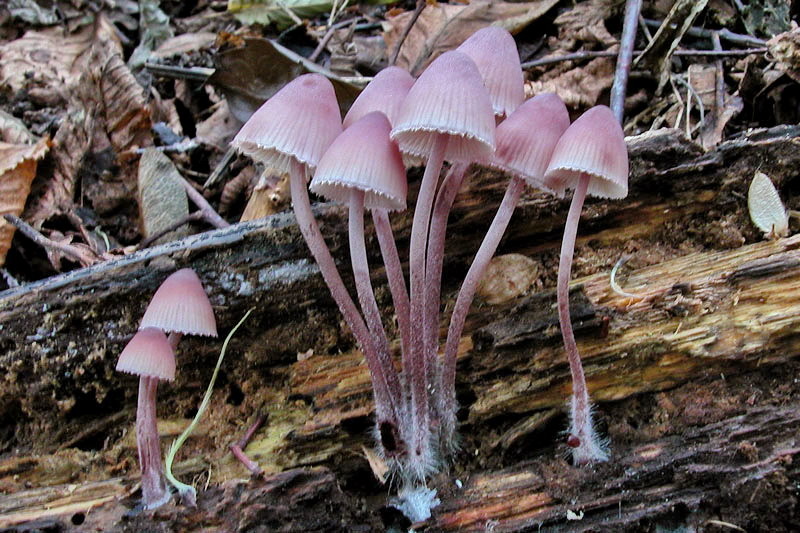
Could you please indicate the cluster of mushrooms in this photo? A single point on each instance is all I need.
(467, 107)
(179, 307)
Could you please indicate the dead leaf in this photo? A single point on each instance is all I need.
(107, 115)
(219, 128)
(785, 48)
(185, 44)
(250, 75)
(277, 11)
(585, 24)
(17, 170)
(443, 27)
(579, 87)
(657, 55)
(14, 131)
(162, 198)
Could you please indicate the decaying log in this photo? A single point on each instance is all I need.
(709, 308)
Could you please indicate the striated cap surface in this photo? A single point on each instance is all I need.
(299, 122)
(385, 93)
(148, 354)
(595, 145)
(180, 304)
(449, 98)
(527, 138)
(495, 54)
(364, 158)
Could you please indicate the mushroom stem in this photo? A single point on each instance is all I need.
(394, 274)
(466, 294)
(385, 382)
(586, 445)
(435, 258)
(154, 487)
(417, 367)
(366, 295)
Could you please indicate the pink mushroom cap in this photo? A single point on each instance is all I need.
(494, 52)
(181, 304)
(363, 157)
(527, 138)
(449, 98)
(299, 122)
(148, 354)
(385, 93)
(595, 145)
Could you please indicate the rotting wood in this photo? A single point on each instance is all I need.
(60, 337)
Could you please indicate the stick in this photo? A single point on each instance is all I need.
(209, 215)
(85, 258)
(628, 39)
(417, 11)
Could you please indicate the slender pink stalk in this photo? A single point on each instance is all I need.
(583, 439)
(394, 274)
(435, 258)
(154, 486)
(465, 296)
(366, 295)
(421, 459)
(385, 382)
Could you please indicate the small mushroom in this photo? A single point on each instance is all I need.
(180, 307)
(149, 356)
(591, 157)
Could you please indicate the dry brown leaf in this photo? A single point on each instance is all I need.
(442, 27)
(579, 87)
(107, 115)
(785, 49)
(585, 23)
(219, 128)
(17, 170)
(14, 131)
(185, 44)
(657, 55)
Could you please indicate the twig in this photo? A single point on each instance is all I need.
(292, 15)
(327, 37)
(417, 11)
(627, 41)
(725, 34)
(84, 257)
(11, 281)
(237, 448)
(221, 167)
(191, 217)
(589, 54)
(209, 215)
(180, 73)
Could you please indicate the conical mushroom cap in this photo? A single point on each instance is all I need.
(364, 158)
(527, 138)
(495, 54)
(449, 98)
(180, 304)
(595, 145)
(148, 354)
(385, 93)
(299, 122)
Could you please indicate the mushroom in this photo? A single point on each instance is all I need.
(591, 157)
(149, 356)
(525, 156)
(363, 168)
(385, 93)
(494, 53)
(180, 307)
(290, 132)
(447, 114)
